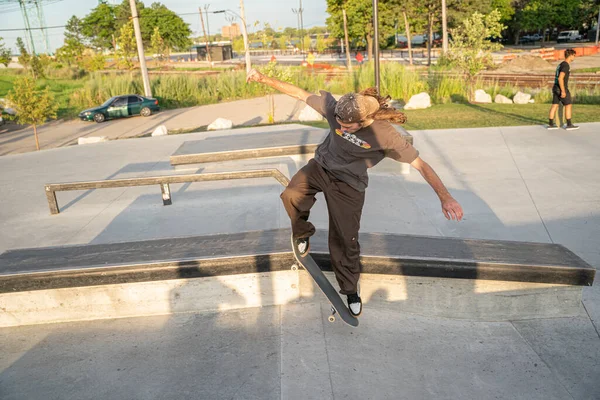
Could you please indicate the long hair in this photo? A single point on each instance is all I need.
(385, 112)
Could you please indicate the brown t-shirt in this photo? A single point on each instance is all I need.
(348, 156)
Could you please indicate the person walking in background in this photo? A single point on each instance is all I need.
(560, 92)
(359, 58)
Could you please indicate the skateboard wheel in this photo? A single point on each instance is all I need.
(294, 267)
(331, 318)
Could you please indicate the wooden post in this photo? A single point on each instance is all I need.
(52, 202)
(166, 194)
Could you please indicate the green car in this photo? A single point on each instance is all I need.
(121, 106)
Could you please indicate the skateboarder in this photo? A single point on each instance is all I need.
(361, 136)
(560, 91)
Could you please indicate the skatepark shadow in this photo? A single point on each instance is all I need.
(253, 121)
(516, 117)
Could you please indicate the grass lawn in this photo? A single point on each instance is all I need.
(448, 116)
(587, 70)
(61, 88)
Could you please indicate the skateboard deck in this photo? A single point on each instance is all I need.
(337, 304)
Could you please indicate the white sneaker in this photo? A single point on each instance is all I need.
(303, 246)
(355, 304)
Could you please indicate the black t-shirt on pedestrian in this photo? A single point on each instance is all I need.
(566, 68)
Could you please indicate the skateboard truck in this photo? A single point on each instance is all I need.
(332, 316)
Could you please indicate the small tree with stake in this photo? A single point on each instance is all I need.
(34, 106)
(470, 50)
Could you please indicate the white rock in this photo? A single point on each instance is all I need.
(502, 99)
(92, 139)
(220, 124)
(418, 101)
(522, 98)
(482, 97)
(309, 114)
(10, 111)
(531, 101)
(160, 131)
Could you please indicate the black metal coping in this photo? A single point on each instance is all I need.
(255, 145)
(267, 251)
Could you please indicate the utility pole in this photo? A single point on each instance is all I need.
(444, 28)
(375, 42)
(208, 58)
(348, 61)
(598, 28)
(298, 12)
(245, 34)
(140, 47)
(302, 28)
(207, 24)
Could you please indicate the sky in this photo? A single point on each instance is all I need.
(278, 13)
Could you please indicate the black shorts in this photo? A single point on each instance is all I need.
(556, 99)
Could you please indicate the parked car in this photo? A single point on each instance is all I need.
(120, 107)
(536, 37)
(568, 36)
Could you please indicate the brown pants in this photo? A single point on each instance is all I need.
(344, 204)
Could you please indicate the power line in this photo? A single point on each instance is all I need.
(64, 26)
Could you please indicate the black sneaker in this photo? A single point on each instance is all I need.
(303, 246)
(354, 304)
(552, 127)
(571, 127)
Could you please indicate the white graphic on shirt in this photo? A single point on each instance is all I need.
(352, 138)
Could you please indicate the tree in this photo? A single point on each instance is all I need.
(238, 45)
(34, 106)
(24, 57)
(360, 20)
(321, 45)
(72, 50)
(5, 54)
(158, 45)
(470, 49)
(126, 46)
(99, 26)
(31, 63)
(95, 62)
(175, 32)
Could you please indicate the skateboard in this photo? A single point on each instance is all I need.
(337, 304)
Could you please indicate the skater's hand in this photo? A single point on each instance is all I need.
(451, 209)
(254, 76)
(563, 95)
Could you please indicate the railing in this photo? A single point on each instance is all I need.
(162, 181)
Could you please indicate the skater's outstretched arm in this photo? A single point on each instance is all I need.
(450, 207)
(283, 87)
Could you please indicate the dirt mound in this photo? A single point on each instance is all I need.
(526, 64)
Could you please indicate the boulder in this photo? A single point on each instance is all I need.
(92, 139)
(161, 130)
(522, 98)
(220, 124)
(482, 97)
(502, 99)
(418, 101)
(309, 114)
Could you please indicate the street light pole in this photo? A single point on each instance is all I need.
(140, 47)
(376, 42)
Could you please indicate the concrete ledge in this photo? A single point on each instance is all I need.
(252, 146)
(459, 298)
(269, 251)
